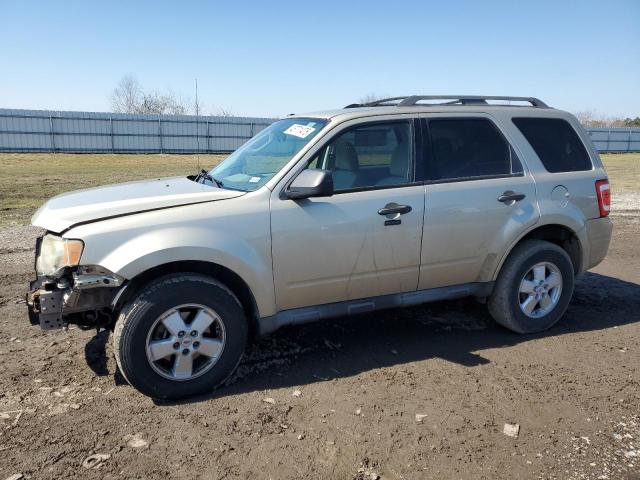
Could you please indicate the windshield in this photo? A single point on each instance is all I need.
(255, 162)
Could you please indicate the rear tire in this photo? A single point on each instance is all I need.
(533, 288)
(183, 335)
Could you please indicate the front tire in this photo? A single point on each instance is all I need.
(183, 335)
(534, 287)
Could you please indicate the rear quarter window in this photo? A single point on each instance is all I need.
(556, 143)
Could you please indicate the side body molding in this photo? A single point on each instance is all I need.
(362, 305)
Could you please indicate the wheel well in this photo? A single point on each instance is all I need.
(229, 278)
(562, 236)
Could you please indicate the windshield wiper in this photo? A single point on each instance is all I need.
(216, 181)
(204, 175)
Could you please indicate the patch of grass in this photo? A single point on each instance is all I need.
(28, 180)
(623, 170)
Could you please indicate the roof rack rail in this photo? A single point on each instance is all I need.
(413, 100)
(383, 102)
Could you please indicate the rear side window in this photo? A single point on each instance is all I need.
(468, 148)
(556, 143)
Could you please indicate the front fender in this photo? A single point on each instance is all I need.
(239, 241)
(246, 264)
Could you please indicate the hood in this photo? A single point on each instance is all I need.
(93, 204)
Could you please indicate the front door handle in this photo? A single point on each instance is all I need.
(393, 208)
(511, 197)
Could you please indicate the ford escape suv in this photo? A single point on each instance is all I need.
(393, 203)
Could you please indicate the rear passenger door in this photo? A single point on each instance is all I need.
(479, 198)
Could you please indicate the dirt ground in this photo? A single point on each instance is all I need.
(416, 393)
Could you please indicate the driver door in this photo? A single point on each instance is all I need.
(346, 247)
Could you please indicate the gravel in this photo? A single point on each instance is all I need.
(18, 239)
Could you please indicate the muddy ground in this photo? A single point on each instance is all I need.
(574, 391)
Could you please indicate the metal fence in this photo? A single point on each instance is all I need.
(615, 139)
(48, 131)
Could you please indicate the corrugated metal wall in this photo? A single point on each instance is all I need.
(615, 139)
(48, 131)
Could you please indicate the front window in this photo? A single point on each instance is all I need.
(255, 162)
(368, 156)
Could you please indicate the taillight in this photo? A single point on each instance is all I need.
(604, 197)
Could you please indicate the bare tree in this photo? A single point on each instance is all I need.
(163, 104)
(370, 98)
(152, 103)
(130, 97)
(177, 104)
(591, 119)
(127, 96)
(223, 112)
(588, 118)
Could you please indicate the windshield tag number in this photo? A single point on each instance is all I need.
(301, 131)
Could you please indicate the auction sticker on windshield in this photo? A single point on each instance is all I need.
(297, 130)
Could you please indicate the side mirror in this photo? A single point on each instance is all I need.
(312, 182)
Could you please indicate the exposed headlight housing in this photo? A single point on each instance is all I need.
(56, 253)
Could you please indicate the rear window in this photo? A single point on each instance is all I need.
(469, 148)
(556, 143)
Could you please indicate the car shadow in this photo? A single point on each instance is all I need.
(457, 331)
(95, 354)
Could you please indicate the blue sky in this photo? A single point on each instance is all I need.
(279, 57)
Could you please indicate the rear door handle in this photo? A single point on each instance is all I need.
(393, 208)
(511, 197)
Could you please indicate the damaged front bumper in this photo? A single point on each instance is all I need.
(83, 296)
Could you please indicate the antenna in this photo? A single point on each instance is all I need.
(197, 128)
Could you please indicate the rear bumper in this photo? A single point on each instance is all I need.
(599, 236)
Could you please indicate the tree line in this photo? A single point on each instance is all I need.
(590, 119)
